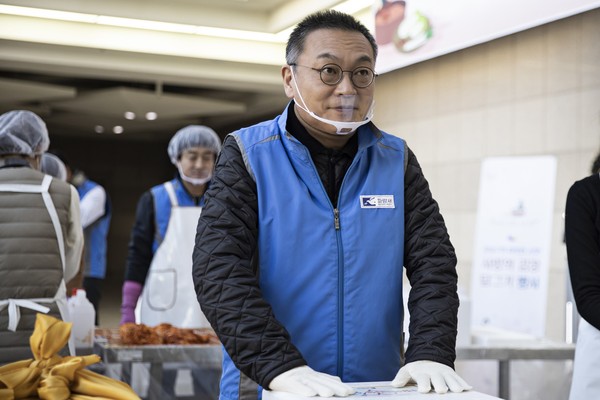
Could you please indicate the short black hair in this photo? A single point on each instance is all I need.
(327, 19)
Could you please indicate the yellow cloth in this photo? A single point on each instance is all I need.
(51, 377)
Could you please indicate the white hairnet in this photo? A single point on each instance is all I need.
(193, 136)
(52, 165)
(23, 132)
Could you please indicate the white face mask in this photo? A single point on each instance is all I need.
(341, 128)
(193, 181)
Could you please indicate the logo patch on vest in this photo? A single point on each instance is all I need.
(377, 201)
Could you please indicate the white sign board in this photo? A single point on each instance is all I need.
(512, 243)
(412, 31)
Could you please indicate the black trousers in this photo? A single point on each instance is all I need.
(93, 288)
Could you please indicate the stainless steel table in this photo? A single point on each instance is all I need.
(543, 350)
(205, 357)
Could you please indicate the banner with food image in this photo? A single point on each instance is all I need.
(410, 31)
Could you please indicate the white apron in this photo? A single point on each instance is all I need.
(586, 367)
(169, 295)
(60, 298)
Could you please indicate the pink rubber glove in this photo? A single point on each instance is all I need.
(131, 294)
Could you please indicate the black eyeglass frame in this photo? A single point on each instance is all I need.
(320, 71)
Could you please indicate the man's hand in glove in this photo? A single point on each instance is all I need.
(306, 381)
(427, 373)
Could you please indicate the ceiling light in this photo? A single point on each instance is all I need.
(130, 115)
(145, 24)
(118, 129)
(349, 6)
(151, 116)
(48, 14)
(99, 129)
(140, 24)
(353, 6)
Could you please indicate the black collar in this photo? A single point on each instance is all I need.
(297, 130)
(11, 162)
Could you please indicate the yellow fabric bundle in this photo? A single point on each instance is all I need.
(51, 377)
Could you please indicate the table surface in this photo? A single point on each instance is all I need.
(210, 356)
(204, 355)
(385, 391)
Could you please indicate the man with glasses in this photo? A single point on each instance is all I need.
(307, 225)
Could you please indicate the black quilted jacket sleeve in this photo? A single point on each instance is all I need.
(226, 283)
(430, 264)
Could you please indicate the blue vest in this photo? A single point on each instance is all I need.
(95, 236)
(332, 273)
(162, 207)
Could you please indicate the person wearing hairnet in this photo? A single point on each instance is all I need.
(159, 261)
(52, 165)
(41, 238)
(96, 212)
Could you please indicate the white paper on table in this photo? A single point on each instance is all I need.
(384, 389)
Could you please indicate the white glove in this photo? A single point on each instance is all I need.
(305, 381)
(426, 373)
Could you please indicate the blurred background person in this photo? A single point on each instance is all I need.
(582, 236)
(193, 150)
(41, 236)
(159, 261)
(96, 212)
(52, 165)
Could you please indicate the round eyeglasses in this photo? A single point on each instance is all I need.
(332, 74)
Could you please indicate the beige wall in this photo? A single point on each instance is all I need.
(536, 92)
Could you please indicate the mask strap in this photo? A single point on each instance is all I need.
(299, 94)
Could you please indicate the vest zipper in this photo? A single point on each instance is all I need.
(336, 223)
(341, 275)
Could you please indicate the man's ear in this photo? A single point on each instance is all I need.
(286, 74)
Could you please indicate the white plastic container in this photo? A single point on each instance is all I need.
(82, 316)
